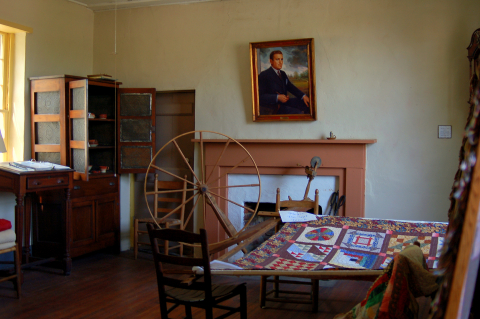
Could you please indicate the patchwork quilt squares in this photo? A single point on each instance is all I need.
(439, 246)
(319, 235)
(398, 242)
(324, 249)
(300, 252)
(334, 242)
(286, 264)
(363, 240)
(350, 259)
(386, 261)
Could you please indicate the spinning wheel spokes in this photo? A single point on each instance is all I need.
(233, 202)
(190, 214)
(184, 159)
(219, 158)
(175, 210)
(214, 196)
(233, 168)
(233, 186)
(171, 174)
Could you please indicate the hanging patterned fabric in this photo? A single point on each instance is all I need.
(458, 201)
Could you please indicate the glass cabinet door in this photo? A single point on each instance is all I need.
(48, 120)
(136, 133)
(79, 128)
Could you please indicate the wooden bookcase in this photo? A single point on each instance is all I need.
(61, 126)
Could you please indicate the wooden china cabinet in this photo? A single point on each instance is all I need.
(65, 115)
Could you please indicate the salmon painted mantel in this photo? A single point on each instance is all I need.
(343, 158)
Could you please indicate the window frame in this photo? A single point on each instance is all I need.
(6, 47)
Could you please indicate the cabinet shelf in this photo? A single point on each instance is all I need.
(101, 175)
(101, 147)
(101, 120)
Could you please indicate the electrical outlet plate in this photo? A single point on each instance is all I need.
(444, 131)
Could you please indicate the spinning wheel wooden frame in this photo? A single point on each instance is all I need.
(204, 192)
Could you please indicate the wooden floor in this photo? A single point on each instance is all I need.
(104, 285)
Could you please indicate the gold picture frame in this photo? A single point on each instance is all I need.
(283, 80)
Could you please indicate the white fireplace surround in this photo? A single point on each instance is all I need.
(290, 185)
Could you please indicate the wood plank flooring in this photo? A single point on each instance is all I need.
(104, 285)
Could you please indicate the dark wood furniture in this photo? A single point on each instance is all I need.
(191, 291)
(30, 183)
(65, 113)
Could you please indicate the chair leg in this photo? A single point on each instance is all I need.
(243, 303)
(276, 286)
(188, 312)
(135, 239)
(209, 312)
(263, 290)
(163, 308)
(315, 288)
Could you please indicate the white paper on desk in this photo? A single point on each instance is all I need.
(289, 216)
(40, 166)
(31, 166)
(57, 166)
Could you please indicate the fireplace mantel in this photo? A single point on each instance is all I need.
(269, 141)
(345, 158)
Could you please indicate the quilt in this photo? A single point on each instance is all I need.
(334, 242)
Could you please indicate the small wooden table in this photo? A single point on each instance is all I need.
(23, 183)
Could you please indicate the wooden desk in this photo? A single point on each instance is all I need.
(25, 183)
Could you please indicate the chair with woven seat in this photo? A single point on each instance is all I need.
(300, 206)
(197, 289)
(164, 203)
(8, 244)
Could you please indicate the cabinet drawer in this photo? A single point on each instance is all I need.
(96, 186)
(47, 181)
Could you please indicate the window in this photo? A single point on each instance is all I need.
(13, 38)
(4, 81)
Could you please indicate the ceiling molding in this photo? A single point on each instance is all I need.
(107, 5)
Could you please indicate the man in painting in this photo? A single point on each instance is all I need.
(273, 87)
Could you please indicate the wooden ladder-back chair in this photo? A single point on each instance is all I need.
(300, 206)
(164, 203)
(196, 290)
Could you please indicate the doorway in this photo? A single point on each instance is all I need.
(175, 115)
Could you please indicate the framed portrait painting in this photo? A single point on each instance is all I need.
(283, 80)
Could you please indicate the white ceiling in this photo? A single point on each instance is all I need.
(103, 5)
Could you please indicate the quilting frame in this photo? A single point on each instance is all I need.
(343, 243)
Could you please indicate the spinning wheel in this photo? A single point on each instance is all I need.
(202, 191)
